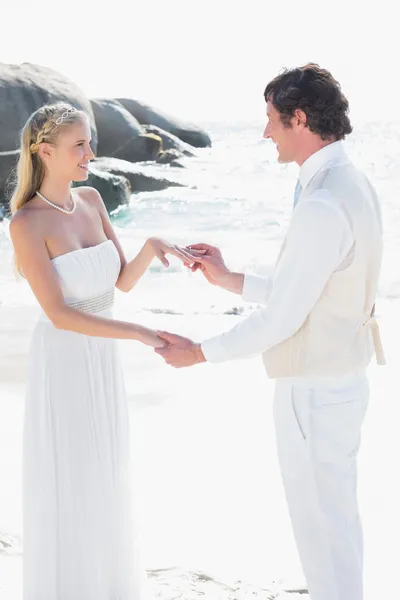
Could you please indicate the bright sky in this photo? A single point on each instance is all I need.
(209, 59)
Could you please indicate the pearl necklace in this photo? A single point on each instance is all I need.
(64, 210)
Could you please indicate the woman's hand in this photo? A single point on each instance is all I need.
(148, 337)
(154, 341)
(162, 247)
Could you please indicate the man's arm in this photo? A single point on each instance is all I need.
(252, 288)
(318, 240)
(257, 288)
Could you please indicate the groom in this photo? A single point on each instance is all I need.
(316, 331)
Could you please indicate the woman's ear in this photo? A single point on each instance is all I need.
(45, 150)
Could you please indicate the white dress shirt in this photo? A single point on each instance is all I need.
(319, 242)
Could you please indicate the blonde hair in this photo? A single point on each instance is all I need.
(43, 126)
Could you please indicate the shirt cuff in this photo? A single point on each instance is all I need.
(256, 288)
(214, 349)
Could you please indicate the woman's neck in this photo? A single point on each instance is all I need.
(56, 191)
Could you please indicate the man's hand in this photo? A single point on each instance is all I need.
(209, 260)
(179, 351)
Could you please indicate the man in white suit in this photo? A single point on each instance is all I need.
(316, 331)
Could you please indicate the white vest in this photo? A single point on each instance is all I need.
(340, 333)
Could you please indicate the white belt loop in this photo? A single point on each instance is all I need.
(376, 337)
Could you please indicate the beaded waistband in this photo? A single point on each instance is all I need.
(96, 304)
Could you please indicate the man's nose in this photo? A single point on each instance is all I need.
(267, 133)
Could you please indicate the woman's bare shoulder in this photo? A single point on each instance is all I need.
(87, 193)
(90, 196)
(27, 219)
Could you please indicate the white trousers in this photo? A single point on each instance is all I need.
(318, 424)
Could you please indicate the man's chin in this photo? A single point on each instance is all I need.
(283, 159)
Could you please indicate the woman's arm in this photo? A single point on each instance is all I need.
(133, 270)
(36, 265)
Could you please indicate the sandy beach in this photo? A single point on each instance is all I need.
(208, 488)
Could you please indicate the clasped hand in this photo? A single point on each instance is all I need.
(181, 351)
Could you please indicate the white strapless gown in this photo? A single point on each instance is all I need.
(78, 534)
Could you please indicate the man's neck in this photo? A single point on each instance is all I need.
(314, 146)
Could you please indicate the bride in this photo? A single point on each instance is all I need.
(78, 530)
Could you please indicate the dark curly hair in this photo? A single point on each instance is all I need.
(314, 91)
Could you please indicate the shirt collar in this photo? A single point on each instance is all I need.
(318, 160)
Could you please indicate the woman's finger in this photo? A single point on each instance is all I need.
(163, 259)
(184, 256)
(194, 252)
(181, 252)
(200, 247)
(190, 252)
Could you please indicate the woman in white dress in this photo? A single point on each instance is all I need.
(77, 524)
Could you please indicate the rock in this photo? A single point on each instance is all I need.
(187, 132)
(114, 189)
(170, 157)
(26, 87)
(169, 141)
(115, 179)
(120, 135)
(8, 162)
(139, 180)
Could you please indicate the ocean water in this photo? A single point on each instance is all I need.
(211, 508)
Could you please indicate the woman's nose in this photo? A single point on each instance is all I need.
(89, 153)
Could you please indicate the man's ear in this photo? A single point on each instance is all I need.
(300, 117)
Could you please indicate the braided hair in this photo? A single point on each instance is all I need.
(43, 126)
